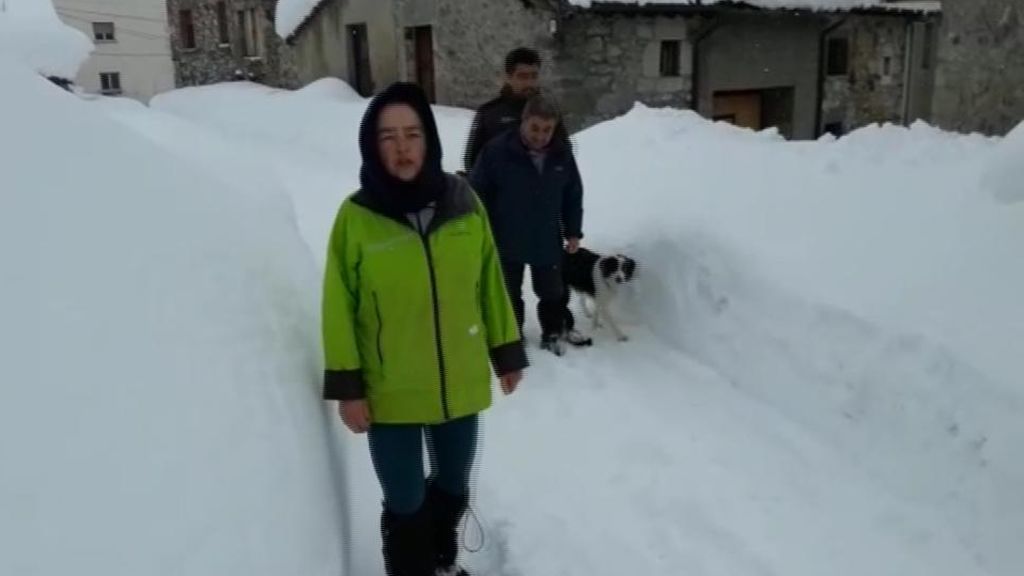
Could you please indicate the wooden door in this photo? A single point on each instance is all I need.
(739, 108)
(424, 41)
(359, 63)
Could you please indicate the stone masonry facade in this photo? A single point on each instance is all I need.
(598, 65)
(980, 72)
(212, 61)
(872, 89)
(471, 40)
(609, 63)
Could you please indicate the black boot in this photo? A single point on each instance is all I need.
(446, 511)
(408, 546)
(553, 343)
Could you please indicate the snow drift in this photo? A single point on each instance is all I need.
(159, 405)
(1005, 175)
(31, 33)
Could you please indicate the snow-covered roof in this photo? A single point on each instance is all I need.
(927, 6)
(290, 15)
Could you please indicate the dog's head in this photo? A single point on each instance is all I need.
(618, 269)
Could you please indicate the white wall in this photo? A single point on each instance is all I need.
(141, 52)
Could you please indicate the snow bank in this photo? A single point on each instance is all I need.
(887, 223)
(30, 32)
(290, 14)
(863, 289)
(1005, 176)
(929, 429)
(159, 406)
(331, 88)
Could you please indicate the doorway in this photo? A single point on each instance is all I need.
(423, 48)
(359, 60)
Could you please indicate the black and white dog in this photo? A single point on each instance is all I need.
(598, 279)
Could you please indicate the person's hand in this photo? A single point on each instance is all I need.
(355, 414)
(572, 245)
(510, 381)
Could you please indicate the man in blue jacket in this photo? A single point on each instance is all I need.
(533, 193)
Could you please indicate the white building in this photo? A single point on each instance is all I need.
(133, 51)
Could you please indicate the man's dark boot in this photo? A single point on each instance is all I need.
(446, 512)
(408, 543)
(552, 343)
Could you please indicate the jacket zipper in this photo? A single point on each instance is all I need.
(437, 317)
(380, 330)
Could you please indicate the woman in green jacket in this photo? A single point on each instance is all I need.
(415, 314)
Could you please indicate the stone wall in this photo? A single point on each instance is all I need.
(874, 88)
(471, 40)
(607, 63)
(980, 75)
(211, 62)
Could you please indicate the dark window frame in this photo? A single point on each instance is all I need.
(110, 83)
(103, 36)
(670, 59)
(187, 29)
(837, 58)
(223, 25)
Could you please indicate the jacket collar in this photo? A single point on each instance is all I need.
(514, 140)
(456, 201)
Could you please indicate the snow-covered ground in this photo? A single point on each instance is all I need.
(825, 371)
(824, 375)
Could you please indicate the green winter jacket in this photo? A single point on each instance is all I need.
(410, 320)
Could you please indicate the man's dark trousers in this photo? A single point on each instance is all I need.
(547, 285)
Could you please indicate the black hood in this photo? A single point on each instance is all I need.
(387, 193)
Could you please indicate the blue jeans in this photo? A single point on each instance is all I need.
(397, 453)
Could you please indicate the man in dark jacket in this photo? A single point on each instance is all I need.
(522, 77)
(531, 187)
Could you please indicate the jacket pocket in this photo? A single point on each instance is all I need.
(380, 330)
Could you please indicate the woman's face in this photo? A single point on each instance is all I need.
(401, 142)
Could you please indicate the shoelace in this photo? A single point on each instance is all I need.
(480, 529)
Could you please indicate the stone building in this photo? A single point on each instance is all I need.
(224, 40)
(805, 72)
(980, 67)
(802, 71)
(355, 40)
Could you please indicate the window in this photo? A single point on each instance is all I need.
(222, 23)
(251, 32)
(887, 66)
(103, 32)
(670, 50)
(187, 29)
(838, 56)
(110, 83)
(926, 50)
